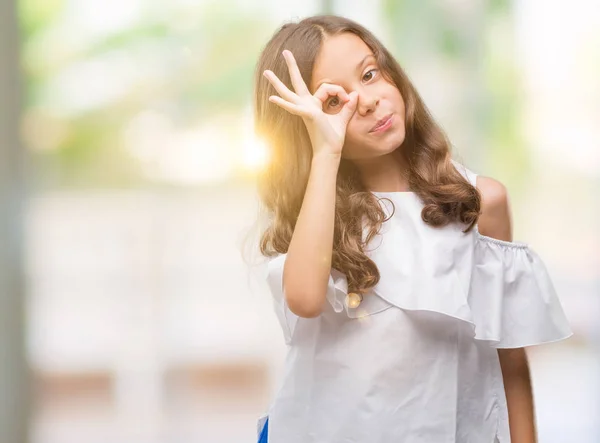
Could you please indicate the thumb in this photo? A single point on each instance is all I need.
(350, 106)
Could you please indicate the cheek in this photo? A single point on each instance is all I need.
(353, 134)
(351, 140)
(392, 93)
(399, 100)
(351, 129)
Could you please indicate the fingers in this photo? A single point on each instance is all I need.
(350, 106)
(327, 90)
(279, 86)
(290, 107)
(295, 76)
(302, 102)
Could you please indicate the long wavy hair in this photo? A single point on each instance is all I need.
(447, 196)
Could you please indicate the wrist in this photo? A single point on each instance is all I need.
(326, 156)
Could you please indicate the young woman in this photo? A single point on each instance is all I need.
(403, 300)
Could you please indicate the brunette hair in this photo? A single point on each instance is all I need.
(447, 196)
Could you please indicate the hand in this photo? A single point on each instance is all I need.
(325, 113)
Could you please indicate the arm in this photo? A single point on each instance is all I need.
(495, 221)
(307, 267)
(308, 263)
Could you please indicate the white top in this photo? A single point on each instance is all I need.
(416, 361)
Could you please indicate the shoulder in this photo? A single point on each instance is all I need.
(493, 194)
(495, 218)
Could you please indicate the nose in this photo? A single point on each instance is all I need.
(367, 103)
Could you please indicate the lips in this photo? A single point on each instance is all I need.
(381, 122)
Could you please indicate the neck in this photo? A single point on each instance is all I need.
(384, 173)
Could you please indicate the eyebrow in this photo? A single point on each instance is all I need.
(358, 66)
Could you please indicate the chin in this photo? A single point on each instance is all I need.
(399, 142)
(370, 153)
(394, 143)
(351, 151)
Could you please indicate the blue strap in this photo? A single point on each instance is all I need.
(264, 434)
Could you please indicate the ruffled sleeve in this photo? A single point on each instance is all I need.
(337, 289)
(512, 298)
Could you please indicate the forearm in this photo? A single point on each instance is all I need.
(519, 395)
(308, 263)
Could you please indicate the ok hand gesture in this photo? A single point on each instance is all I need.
(325, 113)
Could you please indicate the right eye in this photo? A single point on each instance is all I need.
(333, 102)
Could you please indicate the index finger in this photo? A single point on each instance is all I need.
(297, 80)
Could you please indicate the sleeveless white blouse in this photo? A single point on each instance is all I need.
(416, 360)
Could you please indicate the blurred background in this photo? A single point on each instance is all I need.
(127, 165)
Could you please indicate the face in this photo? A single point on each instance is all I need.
(347, 61)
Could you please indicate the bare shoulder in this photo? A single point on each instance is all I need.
(495, 219)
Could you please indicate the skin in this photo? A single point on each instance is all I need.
(346, 60)
(495, 221)
(347, 97)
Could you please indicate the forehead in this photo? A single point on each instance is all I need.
(338, 59)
